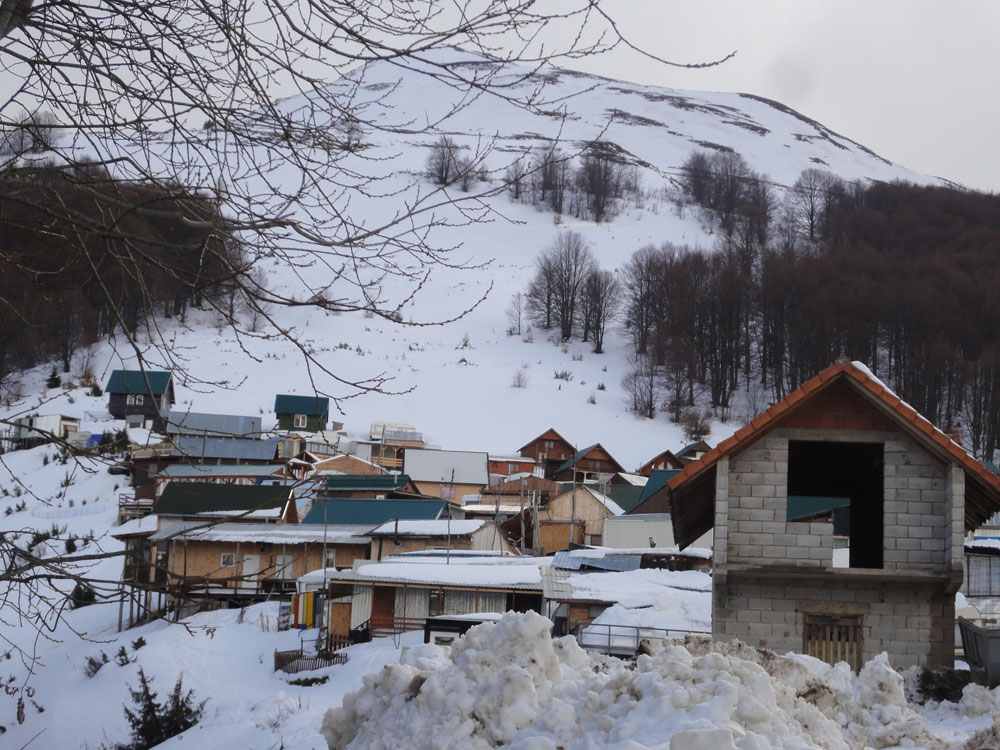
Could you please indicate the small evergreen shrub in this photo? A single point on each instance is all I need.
(152, 722)
(53, 380)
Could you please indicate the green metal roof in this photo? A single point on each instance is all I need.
(696, 445)
(367, 512)
(185, 498)
(658, 479)
(309, 405)
(134, 382)
(804, 507)
(576, 457)
(357, 482)
(626, 496)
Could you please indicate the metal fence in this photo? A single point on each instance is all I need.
(625, 639)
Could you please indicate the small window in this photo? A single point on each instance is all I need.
(331, 559)
(435, 605)
(299, 420)
(134, 399)
(228, 560)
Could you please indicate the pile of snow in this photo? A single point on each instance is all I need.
(509, 683)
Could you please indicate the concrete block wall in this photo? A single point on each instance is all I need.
(915, 625)
(920, 528)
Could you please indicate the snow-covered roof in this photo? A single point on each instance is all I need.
(634, 588)
(429, 528)
(256, 533)
(637, 480)
(613, 508)
(136, 527)
(481, 572)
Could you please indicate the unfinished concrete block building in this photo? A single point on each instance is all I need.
(839, 518)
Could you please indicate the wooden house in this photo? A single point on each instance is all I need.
(665, 460)
(38, 429)
(550, 450)
(839, 517)
(399, 594)
(243, 562)
(575, 516)
(593, 464)
(505, 466)
(149, 460)
(144, 396)
(309, 413)
(450, 475)
(394, 537)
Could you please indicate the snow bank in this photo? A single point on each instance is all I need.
(509, 683)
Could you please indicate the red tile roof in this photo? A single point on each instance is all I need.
(861, 379)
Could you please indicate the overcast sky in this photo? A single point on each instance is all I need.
(916, 81)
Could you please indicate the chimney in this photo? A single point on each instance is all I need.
(955, 435)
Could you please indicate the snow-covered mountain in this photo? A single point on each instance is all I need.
(461, 397)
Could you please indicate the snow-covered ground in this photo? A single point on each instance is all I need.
(541, 693)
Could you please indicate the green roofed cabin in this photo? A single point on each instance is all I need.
(309, 413)
(371, 513)
(236, 502)
(145, 394)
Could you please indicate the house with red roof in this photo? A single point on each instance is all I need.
(839, 516)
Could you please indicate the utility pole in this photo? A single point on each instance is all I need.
(522, 514)
(447, 554)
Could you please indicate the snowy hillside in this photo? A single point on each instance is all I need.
(453, 382)
(462, 397)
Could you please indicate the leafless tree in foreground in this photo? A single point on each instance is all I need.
(188, 101)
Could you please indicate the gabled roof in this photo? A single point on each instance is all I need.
(982, 486)
(188, 498)
(312, 406)
(371, 513)
(360, 482)
(543, 435)
(695, 447)
(626, 496)
(667, 455)
(581, 454)
(135, 382)
(658, 478)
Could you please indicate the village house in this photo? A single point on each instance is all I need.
(394, 537)
(253, 474)
(839, 517)
(399, 593)
(502, 467)
(309, 413)
(244, 562)
(550, 450)
(449, 475)
(196, 501)
(592, 464)
(665, 460)
(141, 397)
(38, 429)
(575, 516)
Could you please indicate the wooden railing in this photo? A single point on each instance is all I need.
(382, 627)
(131, 507)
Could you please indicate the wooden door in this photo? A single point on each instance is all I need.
(251, 567)
(340, 619)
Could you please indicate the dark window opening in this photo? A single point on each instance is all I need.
(842, 483)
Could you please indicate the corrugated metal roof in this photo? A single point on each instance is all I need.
(657, 480)
(224, 470)
(626, 496)
(344, 482)
(567, 560)
(270, 533)
(310, 405)
(371, 513)
(135, 382)
(470, 467)
(185, 498)
(228, 448)
(219, 425)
